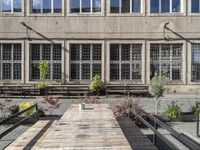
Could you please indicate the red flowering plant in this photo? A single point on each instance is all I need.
(53, 103)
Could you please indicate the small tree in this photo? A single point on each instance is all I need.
(158, 86)
(97, 84)
(44, 70)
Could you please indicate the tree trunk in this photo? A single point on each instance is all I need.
(157, 105)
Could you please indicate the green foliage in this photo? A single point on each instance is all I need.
(44, 70)
(158, 85)
(41, 85)
(13, 109)
(174, 111)
(97, 83)
(196, 110)
(25, 105)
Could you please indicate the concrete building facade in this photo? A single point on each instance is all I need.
(125, 41)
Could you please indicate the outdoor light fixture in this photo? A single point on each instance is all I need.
(165, 25)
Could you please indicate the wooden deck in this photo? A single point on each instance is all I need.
(94, 128)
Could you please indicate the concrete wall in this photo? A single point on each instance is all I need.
(106, 28)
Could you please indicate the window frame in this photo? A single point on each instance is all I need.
(12, 13)
(191, 63)
(29, 9)
(80, 13)
(190, 13)
(182, 12)
(15, 81)
(141, 13)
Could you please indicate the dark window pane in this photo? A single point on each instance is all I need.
(176, 71)
(56, 71)
(114, 52)
(195, 62)
(17, 52)
(136, 8)
(85, 71)
(75, 52)
(85, 52)
(17, 5)
(125, 6)
(6, 5)
(125, 71)
(195, 6)
(75, 6)
(7, 50)
(176, 5)
(57, 54)
(46, 52)
(96, 69)
(154, 6)
(136, 53)
(96, 52)
(154, 52)
(36, 6)
(136, 72)
(17, 71)
(6, 71)
(114, 6)
(114, 71)
(85, 5)
(125, 52)
(165, 6)
(75, 71)
(57, 6)
(35, 73)
(46, 6)
(96, 6)
(35, 52)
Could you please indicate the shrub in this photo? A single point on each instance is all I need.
(14, 109)
(41, 85)
(25, 105)
(174, 111)
(41, 112)
(196, 110)
(53, 103)
(97, 84)
(44, 70)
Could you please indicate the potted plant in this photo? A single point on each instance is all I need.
(97, 84)
(44, 71)
(174, 111)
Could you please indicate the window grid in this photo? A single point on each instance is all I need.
(91, 9)
(195, 73)
(130, 9)
(128, 66)
(42, 10)
(85, 61)
(167, 59)
(12, 5)
(50, 53)
(10, 61)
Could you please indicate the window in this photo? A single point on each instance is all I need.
(125, 62)
(165, 6)
(195, 62)
(10, 6)
(85, 6)
(46, 6)
(85, 61)
(10, 61)
(195, 6)
(50, 53)
(166, 59)
(125, 6)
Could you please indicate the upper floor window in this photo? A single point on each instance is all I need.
(195, 6)
(10, 6)
(165, 6)
(46, 6)
(125, 6)
(85, 6)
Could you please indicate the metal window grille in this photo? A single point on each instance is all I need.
(166, 59)
(195, 73)
(85, 61)
(125, 62)
(50, 53)
(10, 61)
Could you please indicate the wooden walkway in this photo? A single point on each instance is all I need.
(94, 128)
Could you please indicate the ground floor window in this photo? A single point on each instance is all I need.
(85, 61)
(50, 53)
(10, 61)
(195, 62)
(167, 59)
(125, 61)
